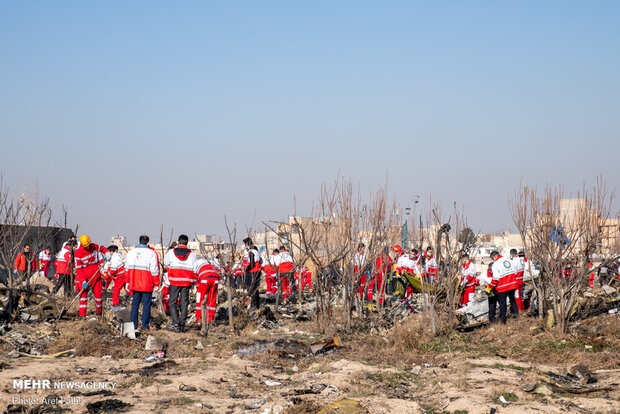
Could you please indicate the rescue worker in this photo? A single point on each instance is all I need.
(405, 264)
(118, 273)
(238, 275)
(504, 282)
(88, 260)
(383, 264)
(492, 298)
(270, 273)
(430, 265)
(519, 269)
(252, 272)
(142, 266)
(468, 280)
(44, 259)
(64, 267)
(359, 264)
(25, 263)
(591, 273)
(604, 274)
(165, 295)
(182, 273)
(284, 265)
(209, 272)
(305, 279)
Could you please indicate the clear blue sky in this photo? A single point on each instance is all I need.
(139, 113)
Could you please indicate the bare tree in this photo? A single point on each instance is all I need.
(561, 235)
(21, 221)
(441, 298)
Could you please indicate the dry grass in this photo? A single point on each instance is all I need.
(303, 406)
(94, 338)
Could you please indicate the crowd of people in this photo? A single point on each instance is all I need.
(87, 269)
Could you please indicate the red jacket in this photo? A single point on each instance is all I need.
(87, 262)
(182, 266)
(208, 270)
(504, 277)
(62, 261)
(142, 267)
(21, 262)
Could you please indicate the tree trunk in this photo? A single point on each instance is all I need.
(230, 307)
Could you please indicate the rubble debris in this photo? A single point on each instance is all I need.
(325, 345)
(344, 406)
(107, 406)
(154, 344)
(543, 390)
(254, 405)
(55, 355)
(313, 389)
(155, 357)
(582, 372)
(284, 347)
(503, 400)
(128, 330)
(529, 387)
(608, 289)
(188, 388)
(405, 308)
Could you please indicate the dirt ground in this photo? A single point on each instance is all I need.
(401, 369)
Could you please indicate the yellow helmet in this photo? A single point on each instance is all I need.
(85, 240)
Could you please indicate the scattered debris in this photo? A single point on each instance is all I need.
(271, 383)
(255, 405)
(128, 330)
(199, 345)
(285, 347)
(111, 405)
(154, 344)
(155, 357)
(189, 388)
(344, 406)
(325, 345)
(313, 389)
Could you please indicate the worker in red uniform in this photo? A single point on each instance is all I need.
(383, 264)
(252, 272)
(45, 259)
(468, 280)
(519, 264)
(118, 273)
(142, 266)
(209, 273)
(181, 263)
(165, 294)
(270, 273)
(238, 275)
(504, 282)
(359, 267)
(431, 266)
(88, 259)
(591, 274)
(64, 266)
(284, 265)
(305, 279)
(25, 263)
